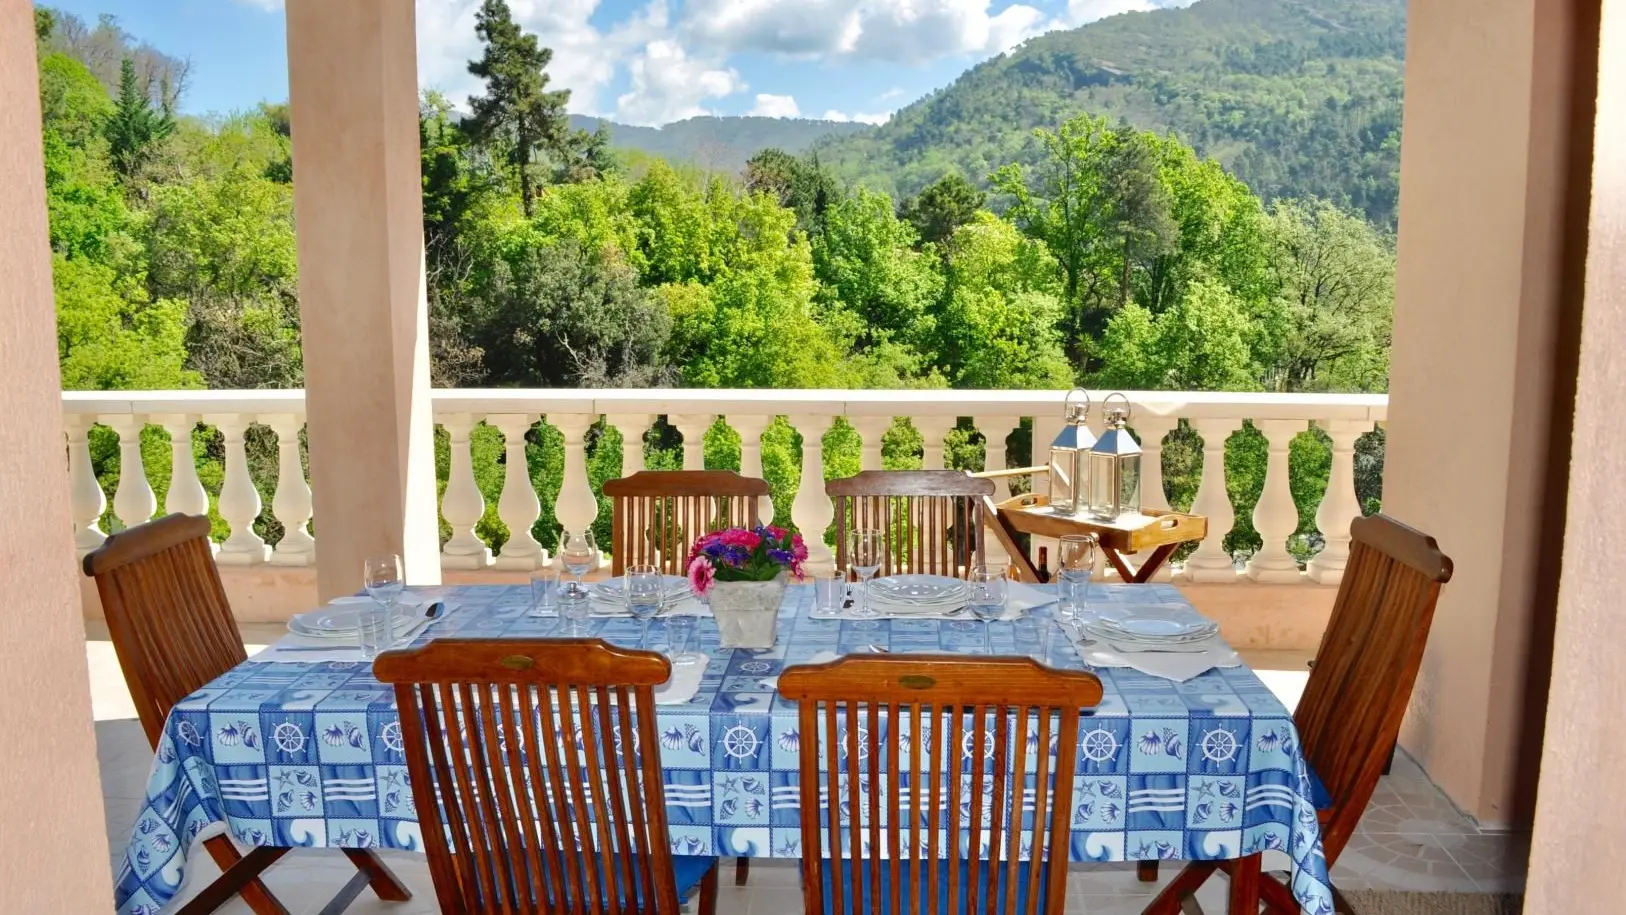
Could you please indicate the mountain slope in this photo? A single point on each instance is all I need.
(1295, 96)
(719, 143)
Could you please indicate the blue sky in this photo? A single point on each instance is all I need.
(644, 61)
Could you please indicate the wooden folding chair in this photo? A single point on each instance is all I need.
(174, 632)
(933, 518)
(909, 751)
(535, 767)
(1349, 717)
(657, 514)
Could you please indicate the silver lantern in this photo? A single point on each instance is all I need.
(1114, 473)
(1070, 457)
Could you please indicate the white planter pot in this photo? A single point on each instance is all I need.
(747, 611)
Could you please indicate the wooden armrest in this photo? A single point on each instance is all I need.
(1011, 472)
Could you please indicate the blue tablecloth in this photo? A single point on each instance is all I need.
(293, 754)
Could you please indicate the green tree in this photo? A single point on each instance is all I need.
(869, 272)
(135, 127)
(999, 323)
(1201, 344)
(800, 184)
(107, 342)
(518, 111)
(942, 207)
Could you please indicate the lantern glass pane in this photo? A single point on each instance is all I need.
(1129, 484)
(1103, 485)
(1061, 488)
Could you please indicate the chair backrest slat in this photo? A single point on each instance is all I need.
(976, 730)
(933, 518)
(658, 514)
(535, 774)
(166, 611)
(1350, 714)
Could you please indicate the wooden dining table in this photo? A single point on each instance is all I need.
(293, 753)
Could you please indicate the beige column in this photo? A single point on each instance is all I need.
(1582, 803)
(53, 850)
(1481, 387)
(358, 205)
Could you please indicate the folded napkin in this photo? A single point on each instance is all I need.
(1178, 666)
(683, 685)
(293, 647)
(1026, 597)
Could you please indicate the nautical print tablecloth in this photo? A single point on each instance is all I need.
(310, 754)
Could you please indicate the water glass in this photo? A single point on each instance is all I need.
(680, 634)
(866, 549)
(384, 582)
(1076, 563)
(830, 592)
(988, 592)
(545, 592)
(1032, 636)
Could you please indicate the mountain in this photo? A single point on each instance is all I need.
(1296, 97)
(720, 143)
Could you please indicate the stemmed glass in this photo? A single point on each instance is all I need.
(1076, 562)
(645, 590)
(987, 596)
(577, 553)
(865, 548)
(382, 576)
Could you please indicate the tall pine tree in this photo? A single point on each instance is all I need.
(136, 125)
(517, 109)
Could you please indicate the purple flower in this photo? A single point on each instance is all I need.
(783, 557)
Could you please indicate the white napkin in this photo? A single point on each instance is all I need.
(295, 647)
(1178, 666)
(1026, 597)
(682, 687)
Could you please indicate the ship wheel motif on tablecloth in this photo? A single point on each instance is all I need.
(740, 742)
(1099, 745)
(1219, 745)
(288, 737)
(391, 736)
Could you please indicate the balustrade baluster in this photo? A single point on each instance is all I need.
(932, 431)
(1340, 505)
(871, 434)
(133, 501)
(750, 427)
(812, 509)
(186, 495)
(693, 426)
(85, 496)
(1275, 516)
(995, 429)
(462, 506)
(577, 507)
(518, 506)
(1150, 430)
(292, 503)
(633, 427)
(239, 500)
(1212, 562)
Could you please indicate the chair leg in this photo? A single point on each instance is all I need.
(1185, 883)
(708, 892)
(247, 870)
(742, 871)
(1340, 905)
(1278, 898)
(385, 884)
(1146, 871)
(255, 893)
(1244, 895)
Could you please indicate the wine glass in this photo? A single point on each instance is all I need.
(987, 596)
(1076, 561)
(865, 549)
(382, 577)
(577, 552)
(644, 588)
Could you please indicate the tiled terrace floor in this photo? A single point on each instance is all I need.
(1411, 838)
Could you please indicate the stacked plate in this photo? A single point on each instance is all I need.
(905, 595)
(610, 595)
(1151, 629)
(341, 619)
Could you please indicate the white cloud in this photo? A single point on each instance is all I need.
(860, 117)
(1080, 12)
(903, 31)
(270, 6)
(892, 94)
(776, 106)
(668, 85)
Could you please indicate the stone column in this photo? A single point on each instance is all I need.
(1339, 506)
(871, 432)
(1487, 302)
(750, 427)
(55, 859)
(358, 204)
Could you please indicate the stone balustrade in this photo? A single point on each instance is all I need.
(1215, 417)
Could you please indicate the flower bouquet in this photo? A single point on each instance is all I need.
(743, 573)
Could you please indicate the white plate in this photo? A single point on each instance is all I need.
(344, 621)
(918, 587)
(614, 589)
(1143, 626)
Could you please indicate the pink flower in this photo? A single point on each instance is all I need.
(700, 575)
(740, 537)
(798, 548)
